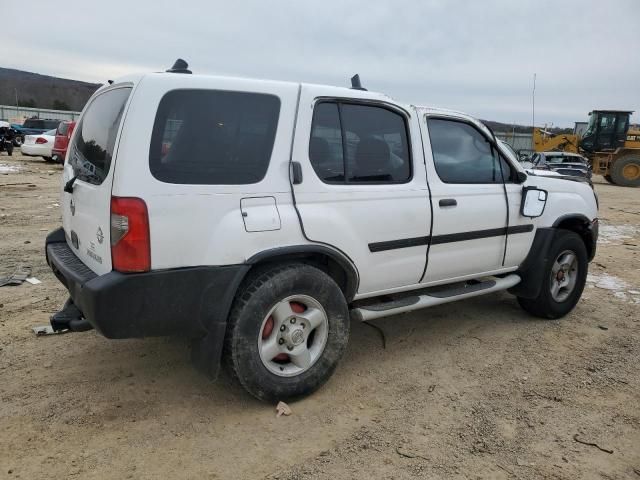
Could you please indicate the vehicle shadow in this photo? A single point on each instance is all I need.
(161, 368)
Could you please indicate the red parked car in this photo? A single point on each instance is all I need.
(63, 134)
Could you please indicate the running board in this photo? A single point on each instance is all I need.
(434, 296)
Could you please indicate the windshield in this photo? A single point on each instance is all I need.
(592, 124)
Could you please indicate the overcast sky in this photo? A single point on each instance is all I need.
(470, 55)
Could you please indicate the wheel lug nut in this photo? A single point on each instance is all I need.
(293, 320)
(281, 341)
(282, 328)
(303, 325)
(289, 348)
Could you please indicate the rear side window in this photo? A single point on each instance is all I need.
(353, 143)
(92, 149)
(213, 137)
(461, 154)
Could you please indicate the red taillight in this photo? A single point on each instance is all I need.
(41, 140)
(130, 241)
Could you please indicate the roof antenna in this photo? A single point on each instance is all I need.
(180, 66)
(355, 83)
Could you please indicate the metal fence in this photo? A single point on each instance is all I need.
(15, 114)
(519, 141)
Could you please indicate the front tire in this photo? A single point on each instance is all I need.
(563, 280)
(288, 328)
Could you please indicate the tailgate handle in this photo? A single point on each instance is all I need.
(448, 202)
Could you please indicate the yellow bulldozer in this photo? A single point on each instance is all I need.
(609, 142)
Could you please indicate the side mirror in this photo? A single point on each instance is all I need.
(533, 202)
(522, 177)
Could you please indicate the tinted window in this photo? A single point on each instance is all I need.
(463, 155)
(92, 148)
(367, 144)
(213, 137)
(606, 122)
(325, 147)
(33, 123)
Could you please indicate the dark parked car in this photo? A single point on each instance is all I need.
(33, 126)
(564, 163)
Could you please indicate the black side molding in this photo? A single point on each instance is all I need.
(448, 238)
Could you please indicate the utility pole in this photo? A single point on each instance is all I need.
(533, 110)
(17, 104)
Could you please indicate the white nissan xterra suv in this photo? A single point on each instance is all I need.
(258, 217)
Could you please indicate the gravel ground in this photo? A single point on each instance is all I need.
(475, 389)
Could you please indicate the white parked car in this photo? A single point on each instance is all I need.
(39, 145)
(259, 217)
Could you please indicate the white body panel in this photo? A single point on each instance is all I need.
(192, 225)
(350, 217)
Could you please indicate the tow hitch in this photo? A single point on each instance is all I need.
(69, 318)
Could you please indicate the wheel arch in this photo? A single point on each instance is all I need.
(581, 225)
(336, 264)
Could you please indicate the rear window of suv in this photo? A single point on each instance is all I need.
(92, 149)
(213, 137)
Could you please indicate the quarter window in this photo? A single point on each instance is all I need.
(213, 137)
(461, 154)
(353, 143)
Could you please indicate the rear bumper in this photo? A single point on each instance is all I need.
(191, 301)
(35, 150)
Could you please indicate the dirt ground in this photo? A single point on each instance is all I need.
(471, 390)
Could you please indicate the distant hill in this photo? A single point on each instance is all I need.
(43, 91)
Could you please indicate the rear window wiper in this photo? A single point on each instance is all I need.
(68, 187)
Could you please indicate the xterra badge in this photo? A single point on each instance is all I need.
(99, 235)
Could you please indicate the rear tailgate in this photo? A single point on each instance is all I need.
(92, 151)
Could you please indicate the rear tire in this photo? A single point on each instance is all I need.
(561, 287)
(625, 171)
(609, 179)
(287, 330)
